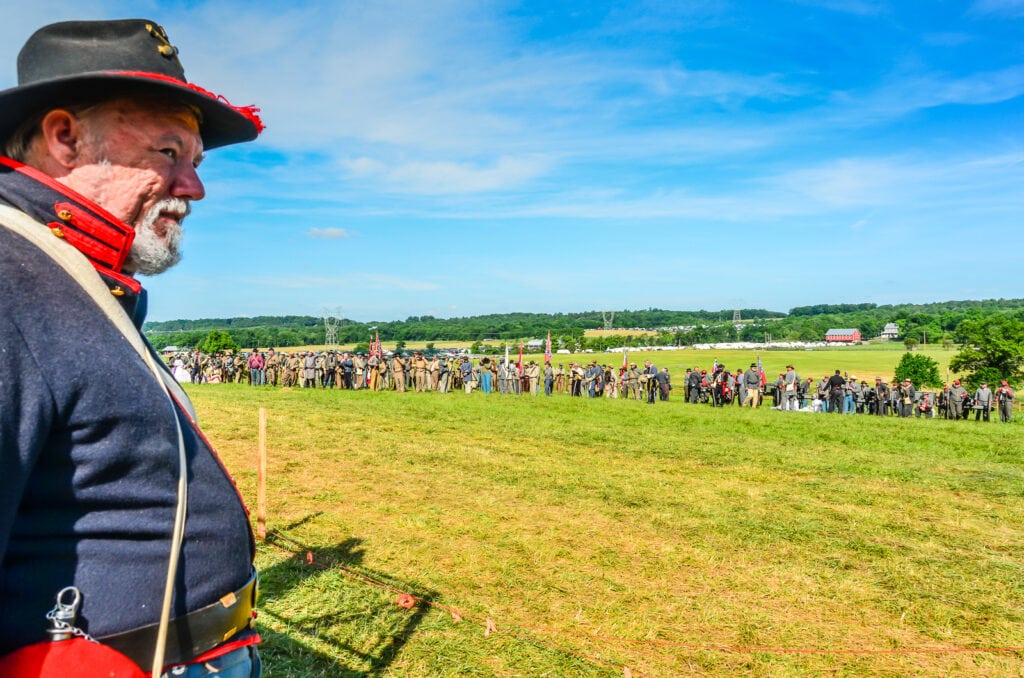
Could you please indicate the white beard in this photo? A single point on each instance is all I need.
(151, 254)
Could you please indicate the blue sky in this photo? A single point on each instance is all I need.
(455, 158)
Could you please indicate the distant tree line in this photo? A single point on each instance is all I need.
(990, 332)
(306, 330)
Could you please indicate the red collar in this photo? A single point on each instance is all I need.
(103, 238)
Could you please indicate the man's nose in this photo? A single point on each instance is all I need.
(187, 184)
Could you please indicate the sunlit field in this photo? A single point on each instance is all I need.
(566, 537)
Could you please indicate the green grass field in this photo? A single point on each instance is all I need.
(604, 537)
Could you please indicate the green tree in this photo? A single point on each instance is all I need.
(993, 349)
(399, 346)
(919, 369)
(911, 344)
(217, 340)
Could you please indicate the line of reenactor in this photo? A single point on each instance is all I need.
(401, 372)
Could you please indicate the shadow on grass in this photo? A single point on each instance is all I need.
(335, 624)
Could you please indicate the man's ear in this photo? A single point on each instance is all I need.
(62, 137)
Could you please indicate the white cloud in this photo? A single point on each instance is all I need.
(445, 90)
(907, 93)
(1011, 8)
(948, 39)
(858, 7)
(329, 233)
(436, 178)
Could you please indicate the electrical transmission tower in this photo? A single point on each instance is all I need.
(608, 319)
(331, 321)
(736, 316)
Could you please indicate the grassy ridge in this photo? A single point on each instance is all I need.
(610, 519)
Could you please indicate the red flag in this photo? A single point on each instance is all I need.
(547, 350)
(376, 348)
(625, 359)
(520, 357)
(760, 370)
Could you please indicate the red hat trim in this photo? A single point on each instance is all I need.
(249, 112)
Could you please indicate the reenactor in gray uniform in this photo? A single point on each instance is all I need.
(512, 374)
(631, 383)
(330, 369)
(850, 400)
(309, 370)
(466, 370)
(628, 382)
(229, 368)
(345, 367)
(693, 382)
(503, 376)
(906, 396)
(359, 371)
(881, 399)
(894, 392)
(752, 384)
(790, 382)
(860, 400)
(982, 402)
(443, 375)
(1004, 394)
(955, 404)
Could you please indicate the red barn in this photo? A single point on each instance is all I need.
(843, 336)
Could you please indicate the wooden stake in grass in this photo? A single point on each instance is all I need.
(261, 479)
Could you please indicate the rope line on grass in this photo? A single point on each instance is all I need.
(406, 599)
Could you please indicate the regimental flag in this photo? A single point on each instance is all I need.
(625, 359)
(547, 349)
(506, 355)
(520, 370)
(760, 370)
(376, 347)
(715, 368)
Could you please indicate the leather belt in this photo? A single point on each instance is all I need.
(193, 634)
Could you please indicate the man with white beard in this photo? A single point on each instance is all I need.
(106, 482)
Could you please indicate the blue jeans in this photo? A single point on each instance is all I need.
(241, 663)
(848, 407)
